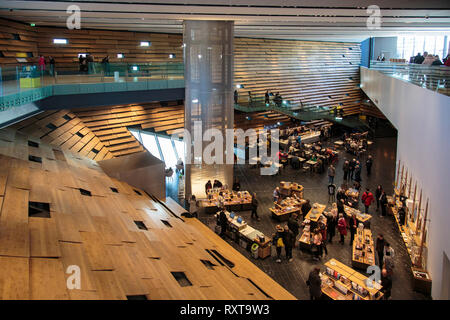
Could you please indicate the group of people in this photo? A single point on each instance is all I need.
(429, 59)
(51, 62)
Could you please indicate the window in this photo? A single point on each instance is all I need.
(179, 146)
(168, 151)
(409, 46)
(149, 142)
(60, 41)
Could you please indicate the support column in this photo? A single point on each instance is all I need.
(208, 63)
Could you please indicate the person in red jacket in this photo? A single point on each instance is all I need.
(342, 227)
(367, 198)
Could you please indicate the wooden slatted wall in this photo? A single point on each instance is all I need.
(65, 130)
(315, 73)
(98, 233)
(99, 43)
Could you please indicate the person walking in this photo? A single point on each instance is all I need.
(378, 192)
(342, 228)
(369, 163)
(379, 247)
(315, 284)
(346, 169)
(278, 242)
(331, 174)
(255, 207)
(367, 199)
(289, 240)
(193, 206)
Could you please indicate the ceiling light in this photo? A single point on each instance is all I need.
(60, 41)
(145, 44)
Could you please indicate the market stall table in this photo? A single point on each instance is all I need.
(363, 254)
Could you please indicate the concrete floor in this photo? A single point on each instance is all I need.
(293, 275)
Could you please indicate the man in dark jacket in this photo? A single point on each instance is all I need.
(289, 240)
(353, 224)
(352, 166)
(378, 195)
(383, 203)
(305, 208)
(294, 225)
(369, 163)
(315, 284)
(379, 247)
(223, 223)
(255, 207)
(418, 59)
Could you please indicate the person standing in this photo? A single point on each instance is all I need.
(342, 227)
(305, 208)
(332, 222)
(367, 199)
(289, 240)
(323, 231)
(378, 192)
(276, 194)
(236, 185)
(379, 247)
(346, 169)
(353, 224)
(193, 206)
(388, 263)
(358, 173)
(352, 166)
(369, 163)
(294, 226)
(331, 174)
(105, 63)
(383, 203)
(315, 284)
(41, 64)
(267, 97)
(223, 223)
(236, 95)
(278, 242)
(52, 65)
(255, 207)
(208, 186)
(386, 284)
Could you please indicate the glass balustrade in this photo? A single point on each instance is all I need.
(26, 82)
(436, 78)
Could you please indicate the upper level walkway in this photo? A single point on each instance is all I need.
(436, 78)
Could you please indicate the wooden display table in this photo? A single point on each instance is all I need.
(232, 200)
(283, 213)
(265, 248)
(363, 254)
(314, 216)
(360, 216)
(291, 188)
(340, 282)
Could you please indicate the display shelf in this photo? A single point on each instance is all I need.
(286, 207)
(340, 282)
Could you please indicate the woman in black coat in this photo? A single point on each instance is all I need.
(378, 195)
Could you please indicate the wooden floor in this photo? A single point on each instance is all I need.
(96, 229)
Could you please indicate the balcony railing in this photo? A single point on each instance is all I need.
(29, 82)
(436, 78)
